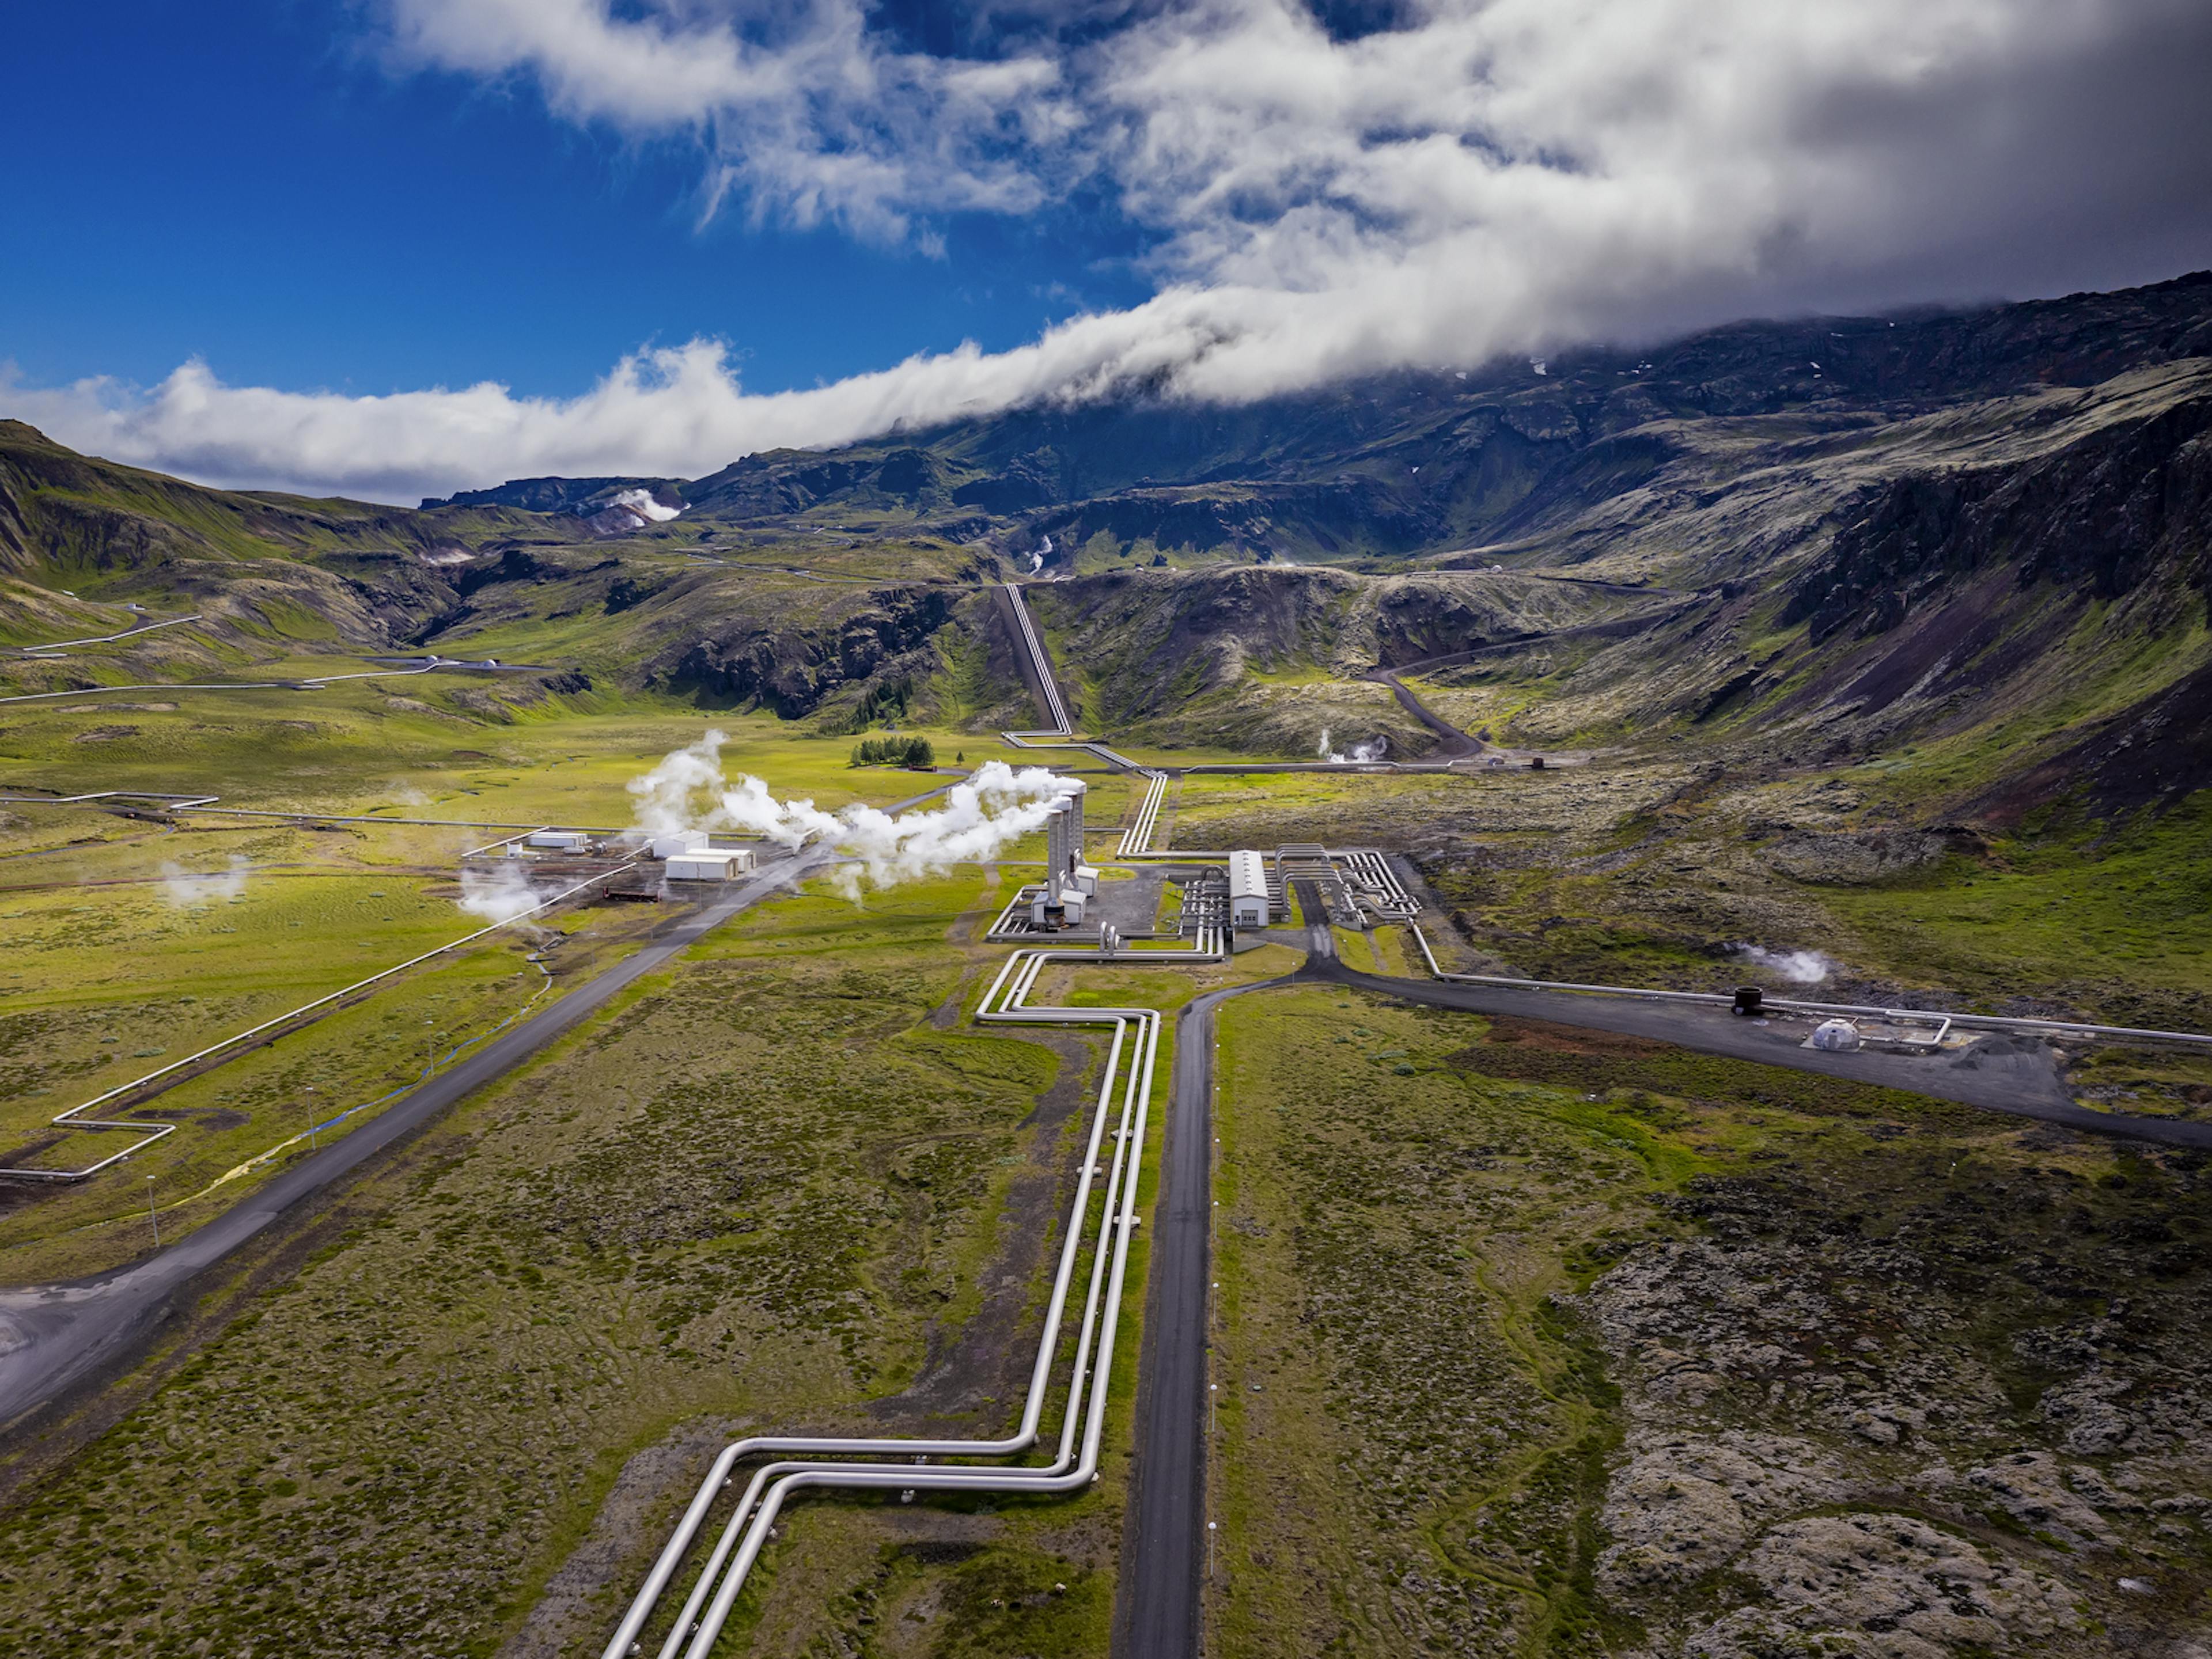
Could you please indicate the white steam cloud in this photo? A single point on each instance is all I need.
(1798, 967)
(1372, 750)
(1449, 183)
(683, 789)
(500, 894)
(982, 816)
(640, 502)
(181, 887)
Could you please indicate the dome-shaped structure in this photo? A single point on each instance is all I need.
(1836, 1034)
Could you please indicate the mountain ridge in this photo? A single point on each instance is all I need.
(1990, 529)
(1332, 464)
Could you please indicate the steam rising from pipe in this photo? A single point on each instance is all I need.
(994, 807)
(1361, 753)
(180, 887)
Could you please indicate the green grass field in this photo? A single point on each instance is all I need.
(124, 949)
(787, 1184)
(767, 1189)
(699, 1206)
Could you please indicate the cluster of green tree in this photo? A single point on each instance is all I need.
(912, 752)
(886, 702)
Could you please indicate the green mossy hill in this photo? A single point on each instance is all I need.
(111, 532)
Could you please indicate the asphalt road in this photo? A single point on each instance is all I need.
(55, 1336)
(2001, 1073)
(1163, 1544)
(1452, 743)
(1163, 1541)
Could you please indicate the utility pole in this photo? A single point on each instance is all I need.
(152, 1214)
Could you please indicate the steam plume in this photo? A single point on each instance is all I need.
(981, 817)
(181, 887)
(500, 895)
(640, 502)
(1371, 750)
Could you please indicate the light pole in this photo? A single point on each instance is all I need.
(152, 1214)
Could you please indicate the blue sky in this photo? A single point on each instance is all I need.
(247, 183)
(397, 247)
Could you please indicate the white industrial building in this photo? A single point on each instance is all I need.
(709, 864)
(560, 841)
(683, 841)
(679, 841)
(1247, 890)
(1053, 910)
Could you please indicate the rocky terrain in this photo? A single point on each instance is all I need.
(1914, 1420)
(1548, 1341)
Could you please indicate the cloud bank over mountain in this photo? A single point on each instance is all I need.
(1321, 194)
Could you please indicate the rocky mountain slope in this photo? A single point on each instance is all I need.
(1424, 462)
(1776, 542)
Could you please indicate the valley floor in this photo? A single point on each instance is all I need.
(1524, 1338)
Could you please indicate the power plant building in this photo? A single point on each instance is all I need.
(1063, 841)
(1069, 883)
(708, 864)
(1247, 890)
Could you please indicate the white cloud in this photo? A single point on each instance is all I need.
(807, 111)
(1486, 176)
